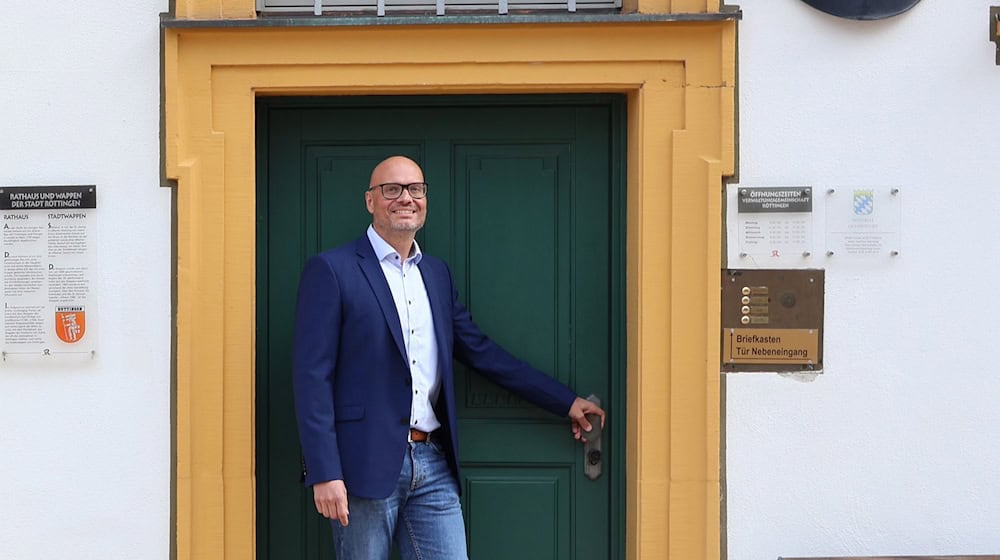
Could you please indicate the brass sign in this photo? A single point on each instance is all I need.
(770, 346)
(772, 320)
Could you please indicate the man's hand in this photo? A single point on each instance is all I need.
(578, 414)
(331, 500)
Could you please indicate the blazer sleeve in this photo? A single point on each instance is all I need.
(314, 357)
(476, 350)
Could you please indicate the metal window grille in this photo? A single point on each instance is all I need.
(439, 7)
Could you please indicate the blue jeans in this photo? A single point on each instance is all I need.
(423, 514)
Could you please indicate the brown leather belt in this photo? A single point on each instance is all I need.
(418, 436)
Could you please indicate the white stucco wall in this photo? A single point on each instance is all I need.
(85, 446)
(894, 449)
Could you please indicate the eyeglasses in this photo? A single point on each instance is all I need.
(392, 191)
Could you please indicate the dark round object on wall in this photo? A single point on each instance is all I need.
(788, 300)
(863, 9)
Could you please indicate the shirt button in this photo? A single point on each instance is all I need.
(414, 362)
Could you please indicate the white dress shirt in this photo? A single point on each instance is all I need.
(417, 324)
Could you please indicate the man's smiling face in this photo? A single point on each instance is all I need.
(404, 213)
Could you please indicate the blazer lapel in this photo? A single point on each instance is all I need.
(376, 279)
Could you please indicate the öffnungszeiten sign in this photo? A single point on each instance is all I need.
(774, 226)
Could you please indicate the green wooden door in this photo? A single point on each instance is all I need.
(525, 204)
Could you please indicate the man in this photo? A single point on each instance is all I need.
(377, 325)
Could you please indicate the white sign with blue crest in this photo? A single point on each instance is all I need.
(863, 222)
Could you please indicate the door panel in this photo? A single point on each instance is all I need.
(505, 186)
(520, 204)
(535, 507)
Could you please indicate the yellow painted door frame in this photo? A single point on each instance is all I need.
(679, 78)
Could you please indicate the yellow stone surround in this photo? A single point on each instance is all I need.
(679, 78)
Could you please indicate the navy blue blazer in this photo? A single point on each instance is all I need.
(351, 378)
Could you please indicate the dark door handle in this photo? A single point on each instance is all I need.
(593, 460)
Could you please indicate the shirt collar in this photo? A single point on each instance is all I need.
(383, 250)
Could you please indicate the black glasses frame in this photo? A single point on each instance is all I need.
(405, 187)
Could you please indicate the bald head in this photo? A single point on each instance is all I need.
(396, 169)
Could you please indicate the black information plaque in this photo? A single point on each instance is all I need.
(775, 199)
(71, 197)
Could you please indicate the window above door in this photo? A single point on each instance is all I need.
(439, 7)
